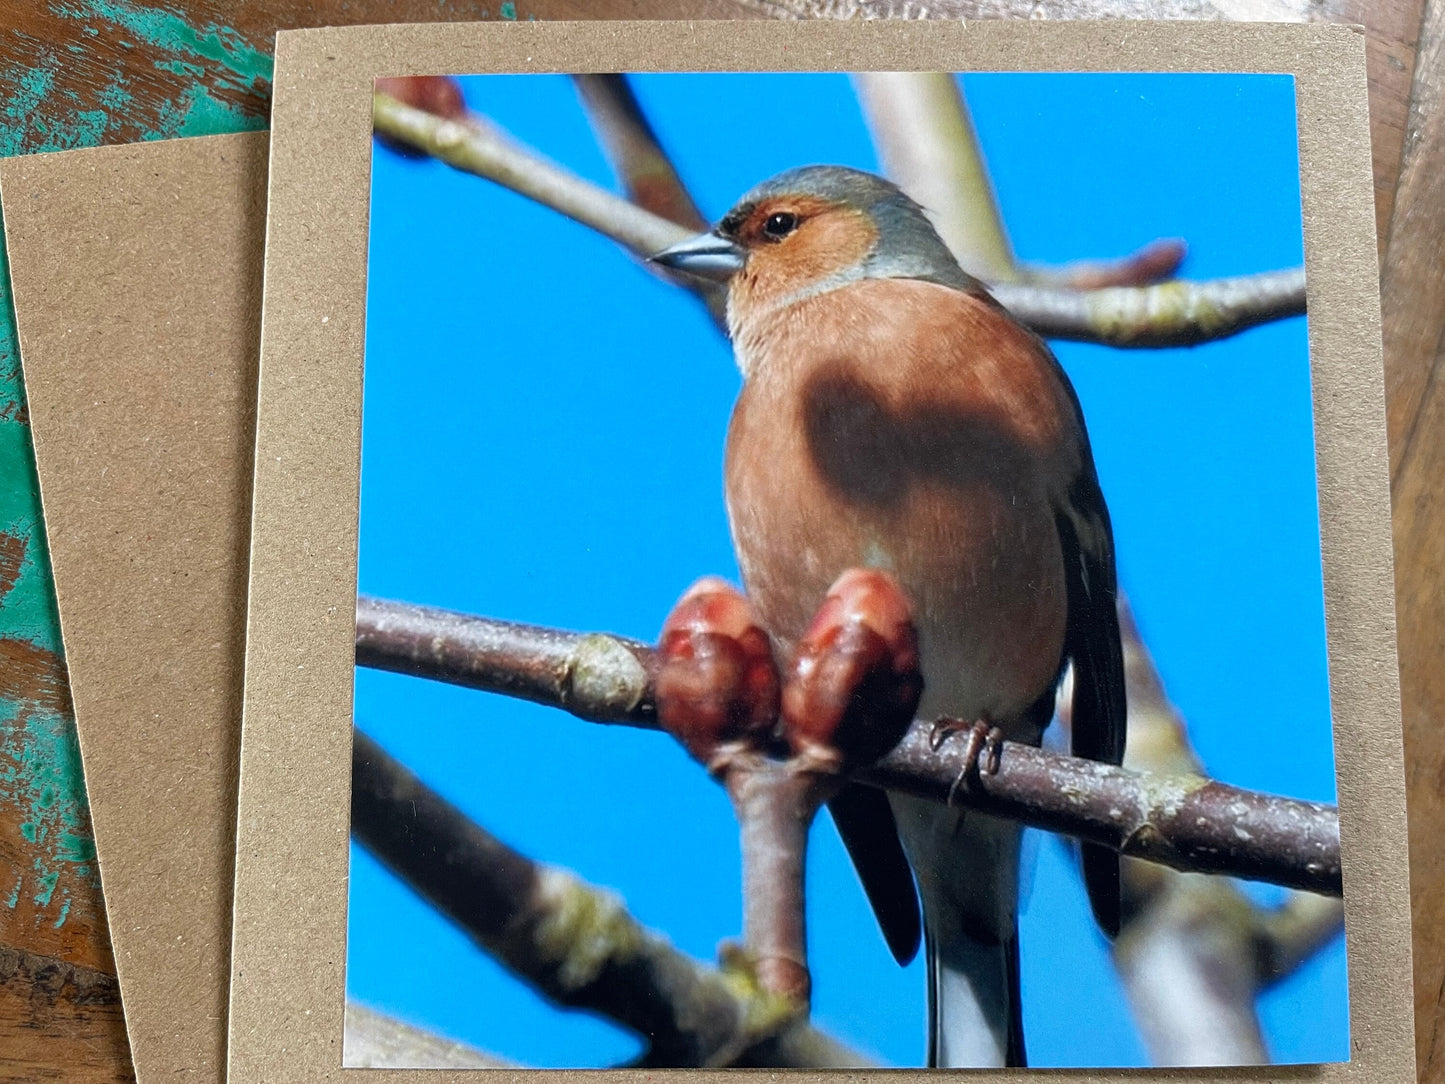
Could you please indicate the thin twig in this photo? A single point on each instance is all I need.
(439, 95)
(485, 151)
(927, 146)
(647, 174)
(1175, 313)
(1155, 262)
(1183, 821)
(632, 147)
(573, 942)
(1288, 935)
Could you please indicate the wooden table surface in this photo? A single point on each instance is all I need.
(96, 72)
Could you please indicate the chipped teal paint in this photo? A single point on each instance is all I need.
(41, 778)
(47, 882)
(74, 848)
(90, 125)
(116, 96)
(201, 114)
(509, 10)
(167, 30)
(32, 119)
(27, 610)
(180, 67)
(22, 107)
(40, 769)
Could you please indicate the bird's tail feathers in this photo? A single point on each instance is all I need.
(1102, 879)
(975, 1017)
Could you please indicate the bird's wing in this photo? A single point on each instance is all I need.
(865, 821)
(1091, 642)
(1093, 646)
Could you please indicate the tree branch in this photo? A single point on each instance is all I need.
(438, 95)
(573, 942)
(647, 174)
(483, 150)
(1175, 313)
(1195, 951)
(373, 1040)
(632, 147)
(1188, 966)
(1287, 936)
(1183, 821)
(927, 146)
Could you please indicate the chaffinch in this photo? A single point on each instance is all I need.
(893, 416)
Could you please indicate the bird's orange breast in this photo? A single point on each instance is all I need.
(904, 425)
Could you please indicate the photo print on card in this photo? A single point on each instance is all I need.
(927, 363)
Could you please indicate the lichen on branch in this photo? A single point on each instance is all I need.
(1175, 313)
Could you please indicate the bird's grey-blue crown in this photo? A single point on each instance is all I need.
(908, 245)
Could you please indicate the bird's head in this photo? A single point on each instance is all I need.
(810, 230)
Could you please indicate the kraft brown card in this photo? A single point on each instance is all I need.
(137, 285)
(137, 274)
(510, 401)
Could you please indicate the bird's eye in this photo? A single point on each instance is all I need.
(781, 224)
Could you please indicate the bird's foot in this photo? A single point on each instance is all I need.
(981, 753)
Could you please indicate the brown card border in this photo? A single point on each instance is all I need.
(290, 930)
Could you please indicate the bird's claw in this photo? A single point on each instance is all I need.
(982, 751)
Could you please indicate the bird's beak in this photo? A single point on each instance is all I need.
(708, 256)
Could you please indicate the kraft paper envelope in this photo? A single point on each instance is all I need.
(289, 946)
(137, 275)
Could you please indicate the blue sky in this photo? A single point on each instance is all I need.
(542, 441)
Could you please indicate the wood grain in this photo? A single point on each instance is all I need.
(59, 1022)
(1390, 57)
(91, 73)
(1413, 301)
(34, 679)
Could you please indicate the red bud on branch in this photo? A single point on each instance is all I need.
(855, 682)
(717, 688)
(438, 95)
(851, 694)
